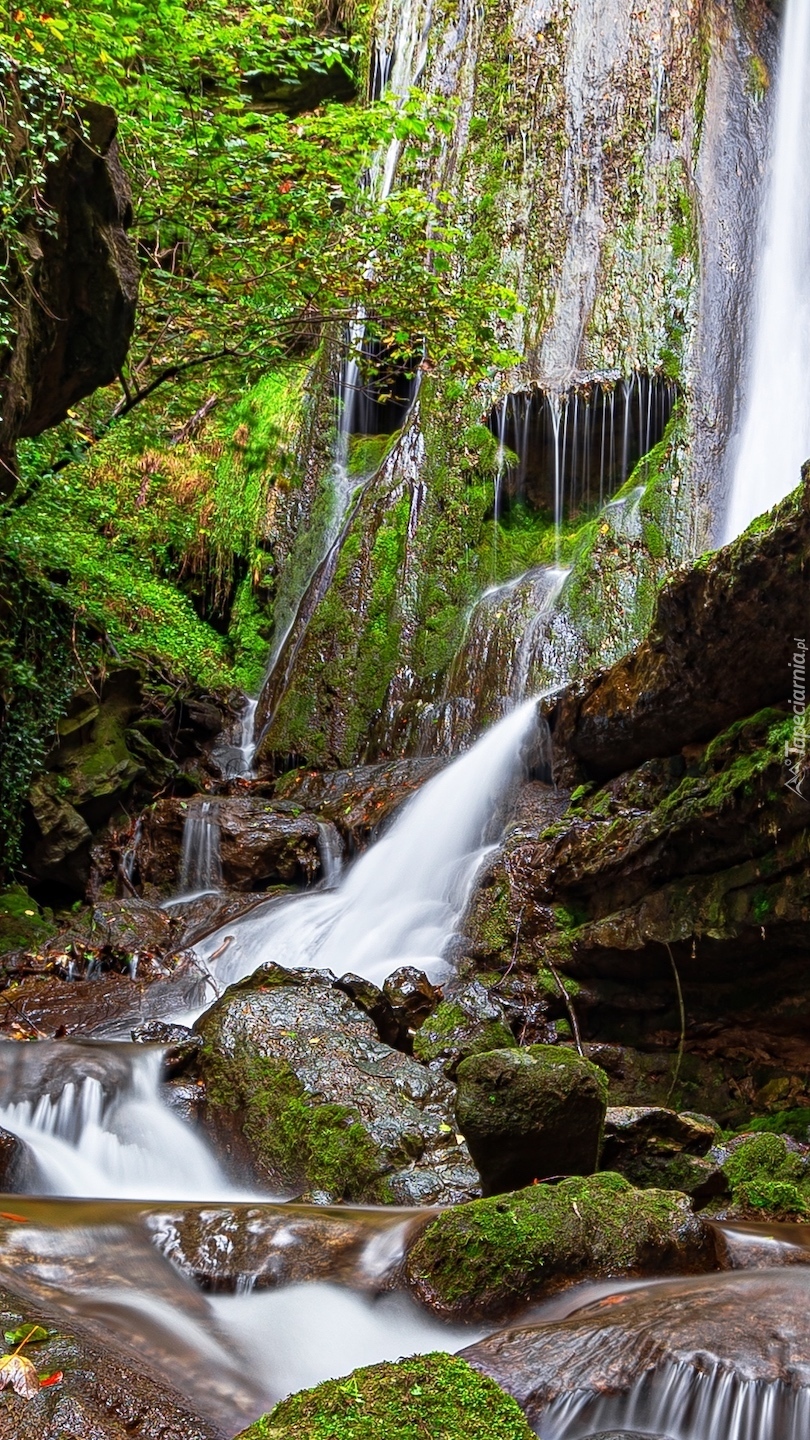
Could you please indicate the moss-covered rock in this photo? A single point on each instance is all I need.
(529, 1114)
(22, 924)
(469, 1023)
(429, 1395)
(769, 1178)
(490, 1257)
(303, 1095)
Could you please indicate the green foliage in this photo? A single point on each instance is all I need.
(785, 1122)
(430, 1395)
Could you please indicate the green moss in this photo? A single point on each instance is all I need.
(320, 1146)
(22, 924)
(489, 1256)
(785, 1122)
(767, 1177)
(435, 1396)
(449, 1032)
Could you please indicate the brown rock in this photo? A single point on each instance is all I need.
(260, 844)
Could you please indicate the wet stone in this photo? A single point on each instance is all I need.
(182, 1045)
(411, 996)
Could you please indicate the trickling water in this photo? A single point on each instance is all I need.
(330, 850)
(200, 863)
(402, 901)
(774, 440)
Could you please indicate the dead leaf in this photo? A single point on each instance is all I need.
(20, 1374)
(46, 1380)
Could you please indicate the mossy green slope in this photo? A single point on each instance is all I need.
(436, 1396)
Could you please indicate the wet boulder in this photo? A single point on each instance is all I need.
(655, 1147)
(357, 801)
(411, 996)
(468, 1023)
(529, 1114)
(370, 998)
(182, 1046)
(18, 1167)
(305, 1098)
(490, 1257)
(436, 1395)
(768, 1177)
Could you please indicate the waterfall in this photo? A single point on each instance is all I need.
(97, 1127)
(200, 864)
(403, 900)
(774, 439)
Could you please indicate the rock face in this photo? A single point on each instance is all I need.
(435, 1395)
(751, 1328)
(74, 275)
(357, 801)
(303, 1095)
(490, 1257)
(684, 683)
(529, 1114)
(468, 1023)
(260, 844)
(655, 1147)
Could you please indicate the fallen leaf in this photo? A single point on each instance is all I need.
(7, 1215)
(46, 1380)
(20, 1374)
(25, 1335)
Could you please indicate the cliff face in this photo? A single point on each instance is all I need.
(605, 166)
(72, 273)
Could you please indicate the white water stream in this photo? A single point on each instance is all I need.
(774, 440)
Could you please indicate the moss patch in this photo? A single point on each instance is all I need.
(312, 1146)
(766, 1177)
(430, 1395)
(22, 924)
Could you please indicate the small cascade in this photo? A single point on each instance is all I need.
(246, 748)
(330, 849)
(575, 449)
(774, 439)
(403, 900)
(200, 864)
(129, 858)
(94, 1122)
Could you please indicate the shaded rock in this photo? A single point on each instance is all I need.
(467, 1024)
(62, 851)
(304, 1096)
(492, 1256)
(369, 998)
(135, 925)
(186, 1097)
(294, 93)
(18, 1167)
(182, 1045)
(357, 801)
(411, 996)
(529, 1114)
(684, 683)
(435, 1395)
(658, 1148)
(751, 1328)
(73, 281)
(229, 1247)
(22, 923)
(259, 844)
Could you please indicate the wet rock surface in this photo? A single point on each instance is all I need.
(259, 844)
(467, 1022)
(357, 801)
(530, 1114)
(304, 1096)
(753, 1327)
(659, 1148)
(490, 1257)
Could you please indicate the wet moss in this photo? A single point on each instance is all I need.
(429, 1395)
(298, 1142)
(768, 1178)
(450, 1034)
(490, 1256)
(22, 924)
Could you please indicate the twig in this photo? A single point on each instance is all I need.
(683, 1020)
(567, 1001)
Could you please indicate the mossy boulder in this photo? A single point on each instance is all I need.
(428, 1395)
(23, 925)
(490, 1257)
(769, 1175)
(529, 1114)
(306, 1099)
(469, 1023)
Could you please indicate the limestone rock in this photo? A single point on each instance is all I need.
(492, 1256)
(529, 1114)
(303, 1095)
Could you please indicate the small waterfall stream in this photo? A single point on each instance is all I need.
(200, 864)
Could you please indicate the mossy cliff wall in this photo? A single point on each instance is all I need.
(599, 165)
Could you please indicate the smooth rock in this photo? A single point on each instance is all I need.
(529, 1114)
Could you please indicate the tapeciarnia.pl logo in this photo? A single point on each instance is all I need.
(796, 746)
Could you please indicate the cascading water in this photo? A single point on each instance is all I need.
(200, 864)
(774, 439)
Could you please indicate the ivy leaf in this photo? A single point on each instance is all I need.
(20, 1374)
